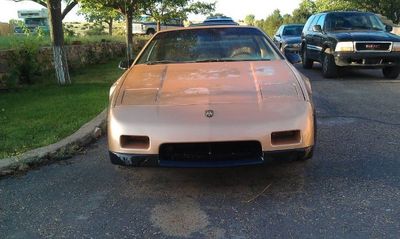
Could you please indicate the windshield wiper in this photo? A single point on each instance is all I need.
(160, 62)
(229, 60)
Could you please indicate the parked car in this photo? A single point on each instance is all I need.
(149, 27)
(210, 96)
(288, 40)
(288, 37)
(215, 21)
(350, 39)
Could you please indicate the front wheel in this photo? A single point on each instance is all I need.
(391, 72)
(329, 68)
(305, 61)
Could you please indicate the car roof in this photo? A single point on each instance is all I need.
(350, 11)
(289, 25)
(206, 27)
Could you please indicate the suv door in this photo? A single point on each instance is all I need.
(320, 37)
(313, 50)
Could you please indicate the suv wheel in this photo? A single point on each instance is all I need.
(391, 72)
(329, 68)
(307, 63)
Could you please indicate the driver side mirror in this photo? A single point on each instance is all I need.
(389, 28)
(317, 28)
(125, 64)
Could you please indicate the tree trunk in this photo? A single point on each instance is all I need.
(129, 35)
(158, 26)
(57, 37)
(110, 27)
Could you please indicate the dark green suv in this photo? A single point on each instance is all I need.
(350, 39)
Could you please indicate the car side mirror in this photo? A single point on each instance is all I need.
(317, 28)
(125, 64)
(278, 35)
(389, 28)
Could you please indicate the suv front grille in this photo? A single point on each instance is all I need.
(373, 46)
(213, 151)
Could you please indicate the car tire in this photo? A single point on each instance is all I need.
(391, 72)
(329, 67)
(305, 61)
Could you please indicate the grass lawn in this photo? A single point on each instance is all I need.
(44, 113)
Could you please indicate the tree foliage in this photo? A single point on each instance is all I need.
(98, 13)
(164, 10)
(250, 20)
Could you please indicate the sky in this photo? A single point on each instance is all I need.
(237, 9)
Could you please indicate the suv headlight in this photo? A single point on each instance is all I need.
(396, 46)
(346, 46)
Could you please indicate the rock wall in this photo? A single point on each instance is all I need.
(78, 56)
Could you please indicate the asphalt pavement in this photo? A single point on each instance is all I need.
(350, 189)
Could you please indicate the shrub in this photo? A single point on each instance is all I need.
(22, 62)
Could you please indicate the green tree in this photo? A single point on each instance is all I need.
(250, 20)
(128, 8)
(334, 5)
(387, 8)
(271, 24)
(56, 15)
(98, 13)
(304, 11)
(164, 10)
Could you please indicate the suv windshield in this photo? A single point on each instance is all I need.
(208, 45)
(292, 30)
(353, 21)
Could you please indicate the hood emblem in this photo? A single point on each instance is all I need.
(209, 113)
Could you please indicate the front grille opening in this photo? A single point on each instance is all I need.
(135, 142)
(213, 151)
(285, 137)
(373, 46)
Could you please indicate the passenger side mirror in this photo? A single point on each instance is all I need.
(389, 28)
(125, 64)
(317, 28)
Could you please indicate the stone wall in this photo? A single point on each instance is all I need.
(78, 56)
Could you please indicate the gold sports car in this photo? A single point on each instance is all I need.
(210, 96)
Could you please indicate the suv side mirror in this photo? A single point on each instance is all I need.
(389, 28)
(125, 64)
(317, 28)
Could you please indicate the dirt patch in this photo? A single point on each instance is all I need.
(180, 218)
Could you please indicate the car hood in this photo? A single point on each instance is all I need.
(292, 39)
(365, 36)
(209, 83)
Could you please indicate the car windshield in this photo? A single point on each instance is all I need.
(208, 45)
(353, 21)
(292, 30)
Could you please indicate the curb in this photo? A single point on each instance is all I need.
(84, 136)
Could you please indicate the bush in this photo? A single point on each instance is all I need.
(23, 65)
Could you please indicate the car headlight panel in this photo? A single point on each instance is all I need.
(346, 46)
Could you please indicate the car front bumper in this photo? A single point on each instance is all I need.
(138, 160)
(367, 59)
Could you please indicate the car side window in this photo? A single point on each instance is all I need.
(308, 23)
(314, 22)
(279, 32)
(321, 21)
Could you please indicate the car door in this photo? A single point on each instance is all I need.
(319, 37)
(311, 38)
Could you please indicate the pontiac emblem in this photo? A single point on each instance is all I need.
(209, 113)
